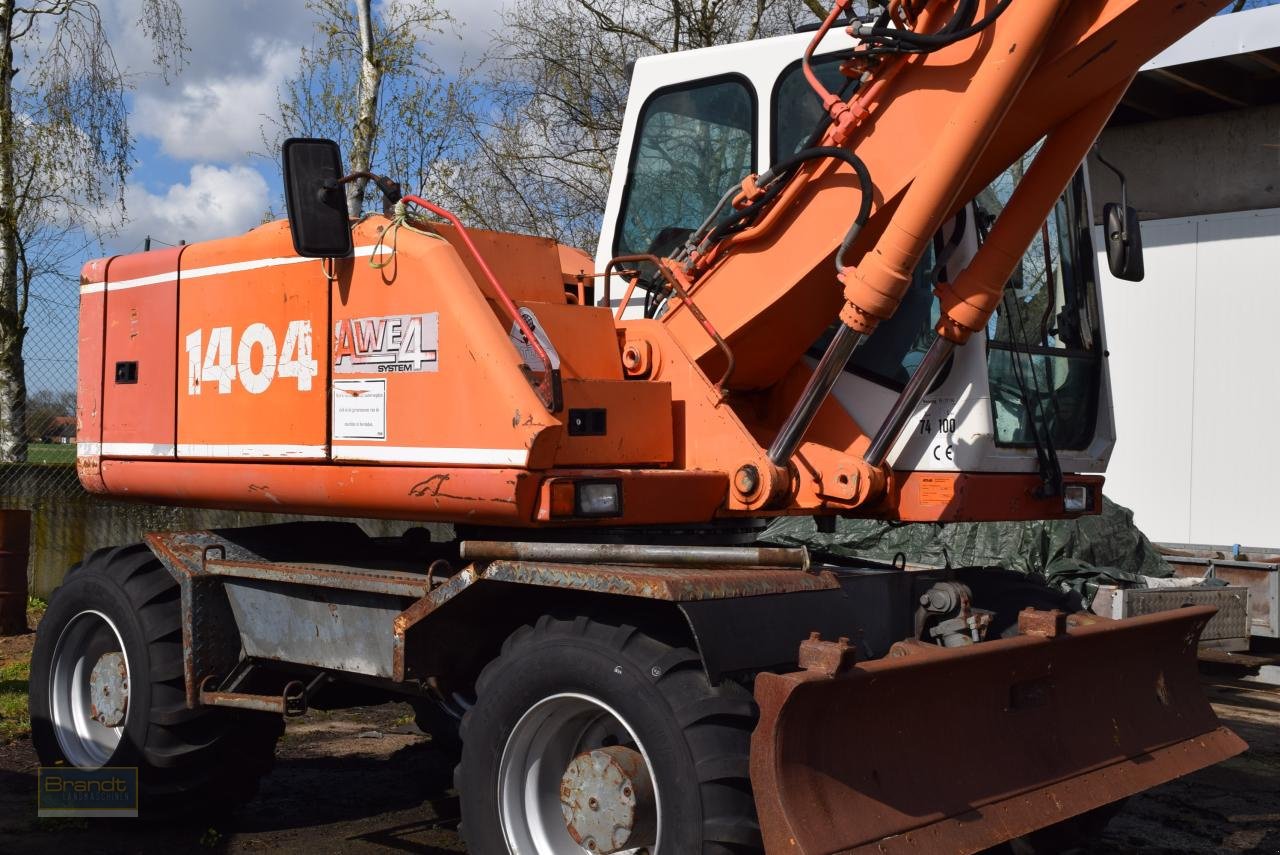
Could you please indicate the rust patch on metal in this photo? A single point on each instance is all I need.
(607, 800)
(339, 576)
(826, 657)
(674, 584)
(206, 614)
(420, 610)
(292, 700)
(1130, 688)
(1050, 624)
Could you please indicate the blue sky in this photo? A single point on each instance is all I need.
(201, 167)
(201, 170)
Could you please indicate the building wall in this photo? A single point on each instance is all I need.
(67, 523)
(1210, 164)
(1196, 379)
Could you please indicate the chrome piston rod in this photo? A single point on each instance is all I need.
(815, 392)
(903, 408)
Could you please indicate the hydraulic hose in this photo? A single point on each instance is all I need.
(775, 177)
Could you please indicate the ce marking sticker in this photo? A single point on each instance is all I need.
(941, 453)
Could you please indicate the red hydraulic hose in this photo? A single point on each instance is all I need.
(503, 297)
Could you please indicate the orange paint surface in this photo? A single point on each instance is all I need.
(406, 390)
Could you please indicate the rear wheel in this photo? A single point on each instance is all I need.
(596, 738)
(107, 689)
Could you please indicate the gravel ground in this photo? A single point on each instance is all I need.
(366, 780)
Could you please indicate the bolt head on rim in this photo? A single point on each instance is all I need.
(606, 796)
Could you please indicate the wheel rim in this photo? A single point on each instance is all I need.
(89, 689)
(542, 745)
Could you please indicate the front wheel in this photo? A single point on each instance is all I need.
(107, 690)
(596, 738)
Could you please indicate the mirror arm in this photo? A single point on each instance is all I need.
(391, 190)
(1124, 190)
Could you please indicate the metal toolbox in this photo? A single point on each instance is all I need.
(1227, 630)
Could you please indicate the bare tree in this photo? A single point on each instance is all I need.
(366, 82)
(543, 140)
(65, 152)
(544, 137)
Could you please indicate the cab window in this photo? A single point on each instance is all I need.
(892, 354)
(693, 143)
(796, 108)
(1044, 354)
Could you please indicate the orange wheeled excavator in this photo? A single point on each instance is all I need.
(618, 665)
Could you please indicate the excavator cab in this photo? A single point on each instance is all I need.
(1030, 393)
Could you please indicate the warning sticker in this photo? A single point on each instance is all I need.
(359, 409)
(937, 490)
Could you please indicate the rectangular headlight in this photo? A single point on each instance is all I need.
(598, 498)
(1075, 498)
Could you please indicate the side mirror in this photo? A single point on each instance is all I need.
(1124, 242)
(1122, 233)
(316, 203)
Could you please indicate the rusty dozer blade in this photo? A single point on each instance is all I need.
(955, 750)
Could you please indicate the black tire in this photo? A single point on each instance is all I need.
(697, 735)
(205, 760)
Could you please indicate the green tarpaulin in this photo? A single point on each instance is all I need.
(1070, 555)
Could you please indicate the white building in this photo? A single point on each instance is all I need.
(1194, 348)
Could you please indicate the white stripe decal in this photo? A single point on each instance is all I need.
(135, 449)
(443, 456)
(218, 270)
(222, 451)
(350, 453)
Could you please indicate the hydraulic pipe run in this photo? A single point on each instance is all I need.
(968, 302)
(618, 553)
(903, 408)
(824, 377)
(875, 287)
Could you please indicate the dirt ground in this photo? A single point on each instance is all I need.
(366, 781)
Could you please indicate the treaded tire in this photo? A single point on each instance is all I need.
(697, 736)
(202, 760)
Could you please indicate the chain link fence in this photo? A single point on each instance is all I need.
(68, 523)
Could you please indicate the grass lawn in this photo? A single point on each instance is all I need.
(52, 453)
(14, 720)
(15, 671)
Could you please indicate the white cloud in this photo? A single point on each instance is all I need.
(221, 35)
(218, 119)
(215, 202)
(240, 53)
(475, 21)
